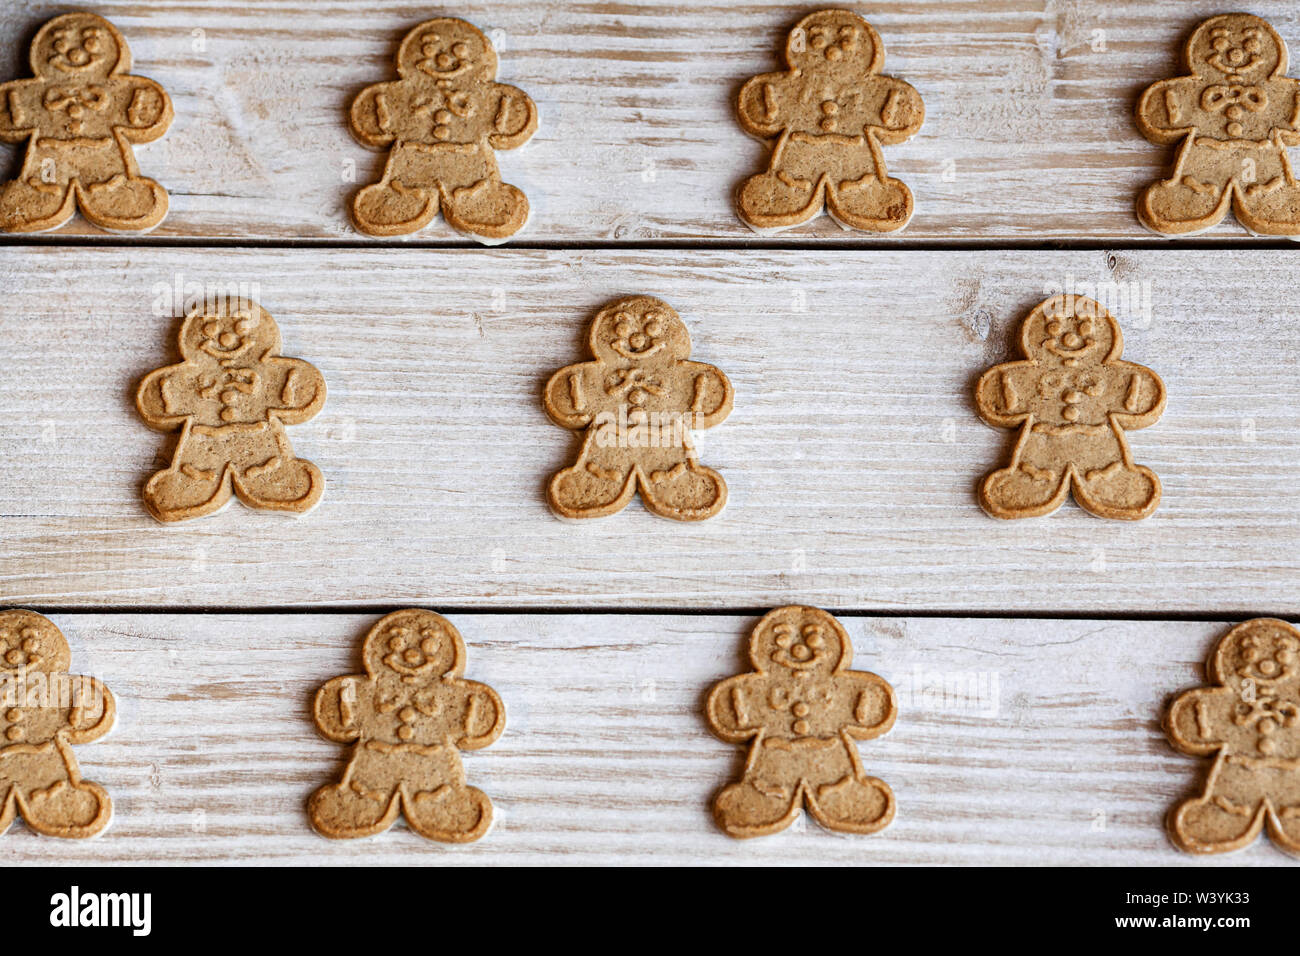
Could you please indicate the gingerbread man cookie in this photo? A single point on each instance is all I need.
(1072, 399)
(44, 711)
(800, 710)
(231, 398)
(1235, 115)
(1250, 721)
(408, 716)
(828, 115)
(81, 114)
(442, 121)
(636, 405)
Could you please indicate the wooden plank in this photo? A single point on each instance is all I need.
(853, 453)
(1029, 134)
(1018, 742)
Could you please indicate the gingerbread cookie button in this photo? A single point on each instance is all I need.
(800, 711)
(1073, 399)
(1234, 116)
(1249, 720)
(826, 117)
(44, 711)
(408, 718)
(442, 122)
(80, 116)
(636, 405)
(231, 398)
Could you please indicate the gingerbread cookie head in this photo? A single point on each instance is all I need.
(1071, 331)
(1236, 48)
(640, 330)
(447, 49)
(835, 43)
(415, 647)
(801, 640)
(30, 642)
(79, 48)
(1260, 656)
(226, 336)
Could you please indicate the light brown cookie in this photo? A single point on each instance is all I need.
(1235, 115)
(1250, 721)
(442, 122)
(80, 115)
(44, 711)
(231, 398)
(800, 710)
(636, 406)
(826, 117)
(1072, 399)
(408, 717)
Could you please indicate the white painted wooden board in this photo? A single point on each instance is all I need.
(853, 453)
(1018, 742)
(1029, 133)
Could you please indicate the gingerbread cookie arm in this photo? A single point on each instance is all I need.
(1000, 393)
(147, 108)
(874, 705)
(19, 108)
(1166, 110)
(335, 709)
(161, 406)
(711, 393)
(759, 106)
(729, 711)
(369, 118)
(572, 396)
(901, 111)
(1195, 720)
(93, 713)
(1288, 88)
(516, 118)
(485, 716)
(1143, 395)
(301, 392)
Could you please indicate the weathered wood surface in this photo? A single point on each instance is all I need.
(1018, 742)
(853, 453)
(1029, 133)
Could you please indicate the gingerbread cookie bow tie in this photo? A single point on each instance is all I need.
(1218, 98)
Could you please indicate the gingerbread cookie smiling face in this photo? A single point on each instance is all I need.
(231, 398)
(1250, 721)
(80, 116)
(1235, 116)
(43, 712)
(408, 716)
(442, 122)
(827, 116)
(1072, 399)
(801, 710)
(637, 405)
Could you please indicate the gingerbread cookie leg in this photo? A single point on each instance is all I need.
(116, 197)
(449, 814)
(475, 201)
(1270, 205)
(860, 194)
(342, 813)
(1033, 484)
(53, 800)
(592, 488)
(267, 475)
(405, 200)
(1185, 205)
(840, 796)
(684, 491)
(1225, 817)
(1117, 490)
(29, 205)
(197, 483)
(750, 809)
(781, 198)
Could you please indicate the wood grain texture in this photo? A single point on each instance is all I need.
(853, 453)
(1029, 133)
(1018, 742)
